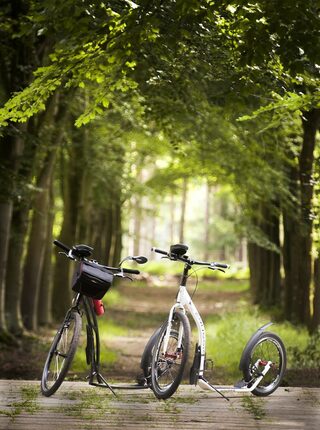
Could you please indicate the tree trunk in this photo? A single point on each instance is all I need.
(254, 265)
(19, 229)
(46, 285)
(316, 297)
(183, 209)
(14, 278)
(310, 123)
(36, 248)
(109, 230)
(264, 263)
(61, 295)
(5, 220)
(117, 235)
(15, 54)
(11, 147)
(298, 227)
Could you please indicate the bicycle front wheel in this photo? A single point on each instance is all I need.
(61, 353)
(168, 365)
(268, 348)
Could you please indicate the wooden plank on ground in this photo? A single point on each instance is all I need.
(76, 405)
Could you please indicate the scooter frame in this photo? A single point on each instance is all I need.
(183, 302)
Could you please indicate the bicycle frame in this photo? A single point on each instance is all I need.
(93, 348)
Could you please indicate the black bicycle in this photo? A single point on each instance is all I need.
(90, 283)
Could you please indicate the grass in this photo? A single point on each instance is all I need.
(227, 335)
(112, 297)
(225, 286)
(107, 330)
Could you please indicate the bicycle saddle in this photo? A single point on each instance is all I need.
(82, 250)
(178, 249)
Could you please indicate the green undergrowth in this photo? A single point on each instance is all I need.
(228, 334)
(309, 356)
(107, 330)
(79, 363)
(227, 285)
(113, 297)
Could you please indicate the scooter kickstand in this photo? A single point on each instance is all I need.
(203, 383)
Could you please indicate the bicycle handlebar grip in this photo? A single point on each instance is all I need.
(132, 271)
(221, 265)
(61, 245)
(159, 251)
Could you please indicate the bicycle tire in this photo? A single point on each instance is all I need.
(162, 367)
(55, 371)
(146, 358)
(268, 347)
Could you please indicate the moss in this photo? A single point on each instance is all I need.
(89, 405)
(254, 406)
(28, 403)
(169, 406)
(185, 400)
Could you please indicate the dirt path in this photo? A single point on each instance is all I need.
(79, 406)
(142, 310)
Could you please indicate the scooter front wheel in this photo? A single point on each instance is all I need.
(268, 348)
(167, 366)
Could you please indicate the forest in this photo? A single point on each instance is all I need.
(111, 108)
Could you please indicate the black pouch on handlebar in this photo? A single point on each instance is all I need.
(92, 280)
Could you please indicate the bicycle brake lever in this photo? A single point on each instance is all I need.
(122, 275)
(217, 268)
(67, 255)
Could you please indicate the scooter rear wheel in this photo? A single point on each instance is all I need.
(268, 347)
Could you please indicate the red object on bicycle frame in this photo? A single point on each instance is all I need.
(98, 307)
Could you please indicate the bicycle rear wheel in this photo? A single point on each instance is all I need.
(268, 348)
(168, 366)
(61, 353)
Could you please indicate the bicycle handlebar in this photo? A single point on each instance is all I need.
(67, 249)
(185, 259)
(221, 265)
(132, 271)
(159, 251)
(61, 245)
